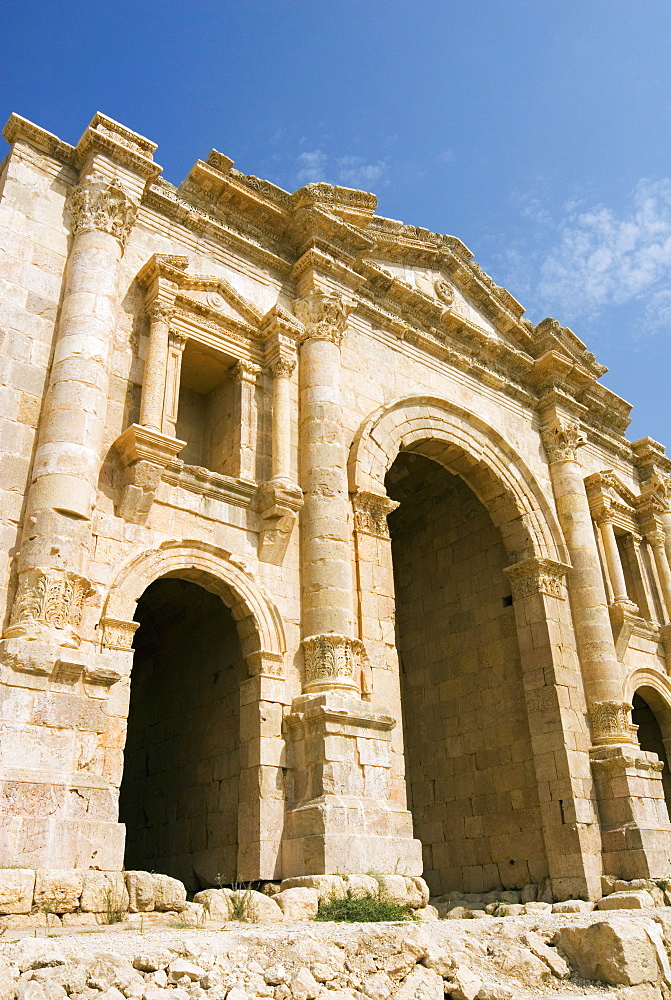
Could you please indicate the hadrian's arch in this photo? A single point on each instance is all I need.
(475, 732)
(206, 637)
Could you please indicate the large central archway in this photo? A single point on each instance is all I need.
(472, 787)
(179, 793)
(533, 797)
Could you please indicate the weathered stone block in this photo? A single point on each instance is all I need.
(58, 891)
(16, 890)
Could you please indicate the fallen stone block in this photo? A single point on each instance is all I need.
(617, 952)
(216, 902)
(327, 886)
(635, 900)
(420, 984)
(464, 985)
(573, 906)
(297, 904)
(169, 893)
(140, 886)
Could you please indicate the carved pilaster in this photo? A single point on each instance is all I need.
(324, 317)
(48, 606)
(333, 662)
(538, 576)
(561, 440)
(102, 204)
(611, 723)
(245, 371)
(370, 512)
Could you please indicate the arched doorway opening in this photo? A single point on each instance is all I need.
(472, 786)
(650, 733)
(179, 792)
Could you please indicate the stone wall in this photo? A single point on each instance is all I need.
(472, 788)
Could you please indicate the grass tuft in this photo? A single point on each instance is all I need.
(362, 909)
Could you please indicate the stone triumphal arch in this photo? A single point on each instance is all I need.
(319, 557)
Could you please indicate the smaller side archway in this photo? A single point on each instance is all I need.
(650, 696)
(204, 623)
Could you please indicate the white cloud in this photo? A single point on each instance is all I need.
(350, 171)
(311, 167)
(603, 258)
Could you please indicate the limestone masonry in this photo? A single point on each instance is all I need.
(317, 557)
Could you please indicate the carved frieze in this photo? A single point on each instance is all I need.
(561, 440)
(102, 204)
(324, 316)
(611, 723)
(49, 605)
(332, 662)
(370, 512)
(537, 576)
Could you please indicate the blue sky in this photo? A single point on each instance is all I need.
(538, 131)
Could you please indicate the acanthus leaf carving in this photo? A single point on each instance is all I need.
(49, 605)
(333, 661)
(104, 205)
(561, 440)
(611, 723)
(537, 576)
(323, 315)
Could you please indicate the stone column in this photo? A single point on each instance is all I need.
(245, 374)
(657, 541)
(636, 835)
(176, 344)
(325, 528)
(282, 367)
(341, 816)
(65, 684)
(155, 366)
(54, 552)
(613, 560)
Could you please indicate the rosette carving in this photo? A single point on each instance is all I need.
(561, 440)
(49, 605)
(324, 316)
(102, 204)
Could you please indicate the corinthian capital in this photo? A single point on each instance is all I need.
(323, 315)
(102, 204)
(561, 440)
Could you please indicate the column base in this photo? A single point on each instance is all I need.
(342, 818)
(341, 835)
(635, 827)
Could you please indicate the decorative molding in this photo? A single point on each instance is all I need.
(103, 205)
(611, 723)
(537, 576)
(48, 606)
(370, 512)
(282, 366)
(333, 662)
(144, 453)
(324, 316)
(118, 634)
(561, 440)
(265, 664)
(278, 504)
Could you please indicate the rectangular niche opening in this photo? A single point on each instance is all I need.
(206, 408)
